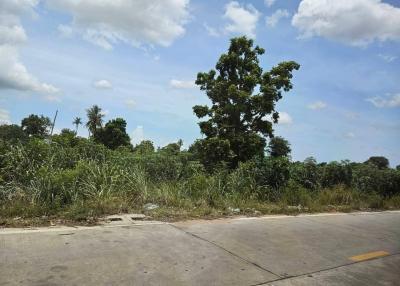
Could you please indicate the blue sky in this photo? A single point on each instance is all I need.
(138, 60)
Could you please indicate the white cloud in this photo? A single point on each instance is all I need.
(211, 31)
(102, 84)
(385, 101)
(12, 35)
(106, 23)
(4, 117)
(284, 118)
(355, 22)
(182, 84)
(130, 103)
(137, 135)
(269, 3)
(272, 20)
(243, 19)
(317, 105)
(13, 74)
(387, 58)
(11, 9)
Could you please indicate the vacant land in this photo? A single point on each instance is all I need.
(78, 181)
(238, 166)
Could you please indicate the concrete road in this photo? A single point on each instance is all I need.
(326, 249)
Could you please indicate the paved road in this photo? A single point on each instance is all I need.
(342, 249)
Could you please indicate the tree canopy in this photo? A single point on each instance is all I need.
(379, 161)
(12, 133)
(77, 121)
(35, 125)
(243, 99)
(279, 147)
(144, 147)
(172, 148)
(95, 119)
(114, 135)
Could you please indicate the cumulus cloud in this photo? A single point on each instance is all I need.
(4, 117)
(13, 74)
(106, 23)
(137, 135)
(12, 35)
(317, 105)
(272, 20)
(182, 84)
(243, 19)
(387, 58)
(390, 100)
(102, 84)
(284, 118)
(269, 3)
(355, 22)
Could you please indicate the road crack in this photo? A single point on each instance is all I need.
(230, 253)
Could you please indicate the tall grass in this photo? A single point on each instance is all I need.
(87, 180)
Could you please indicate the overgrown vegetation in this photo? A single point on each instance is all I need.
(233, 170)
(78, 179)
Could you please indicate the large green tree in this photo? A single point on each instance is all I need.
(114, 135)
(379, 161)
(95, 119)
(279, 147)
(35, 125)
(243, 99)
(12, 133)
(67, 137)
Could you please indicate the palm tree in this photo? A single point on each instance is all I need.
(95, 119)
(77, 121)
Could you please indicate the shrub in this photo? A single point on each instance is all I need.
(296, 195)
(306, 174)
(369, 178)
(336, 173)
(269, 171)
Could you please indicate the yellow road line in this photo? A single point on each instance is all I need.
(368, 255)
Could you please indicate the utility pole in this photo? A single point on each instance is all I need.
(52, 126)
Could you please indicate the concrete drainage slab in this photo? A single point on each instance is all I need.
(128, 219)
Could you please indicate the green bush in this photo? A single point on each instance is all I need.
(296, 195)
(271, 172)
(369, 178)
(335, 173)
(306, 174)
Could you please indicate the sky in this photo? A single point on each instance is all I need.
(138, 59)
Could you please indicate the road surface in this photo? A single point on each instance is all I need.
(325, 249)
